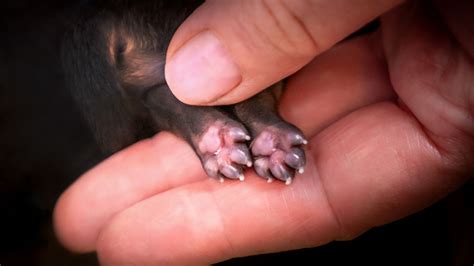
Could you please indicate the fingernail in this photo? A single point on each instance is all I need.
(202, 70)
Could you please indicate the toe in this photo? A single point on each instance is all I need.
(238, 134)
(281, 171)
(211, 166)
(231, 171)
(240, 154)
(295, 137)
(295, 158)
(262, 167)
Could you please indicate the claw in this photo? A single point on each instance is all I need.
(297, 139)
(295, 158)
(231, 171)
(211, 167)
(301, 170)
(238, 134)
(240, 156)
(262, 166)
(281, 172)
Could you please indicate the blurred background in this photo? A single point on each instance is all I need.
(45, 145)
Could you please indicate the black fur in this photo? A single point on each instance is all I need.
(114, 57)
(100, 74)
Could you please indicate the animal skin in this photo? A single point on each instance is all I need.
(114, 58)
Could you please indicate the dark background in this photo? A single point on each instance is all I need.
(44, 146)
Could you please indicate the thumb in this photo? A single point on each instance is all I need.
(227, 51)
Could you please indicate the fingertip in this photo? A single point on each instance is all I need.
(125, 178)
(202, 70)
(69, 232)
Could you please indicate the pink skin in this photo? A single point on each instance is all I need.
(223, 150)
(276, 150)
(278, 153)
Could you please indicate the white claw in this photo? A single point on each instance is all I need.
(247, 137)
(241, 177)
(221, 179)
(249, 164)
(301, 170)
(269, 180)
(305, 142)
(288, 181)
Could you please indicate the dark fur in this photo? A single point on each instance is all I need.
(114, 59)
(111, 103)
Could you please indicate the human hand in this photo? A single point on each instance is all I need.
(228, 51)
(390, 122)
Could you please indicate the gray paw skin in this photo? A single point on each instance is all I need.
(223, 150)
(278, 153)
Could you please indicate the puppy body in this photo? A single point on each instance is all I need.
(114, 57)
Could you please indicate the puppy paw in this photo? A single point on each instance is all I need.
(278, 152)
(223, 150)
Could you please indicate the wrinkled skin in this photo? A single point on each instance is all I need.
(389, 119)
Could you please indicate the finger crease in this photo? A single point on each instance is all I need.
(340, 228)
(315, 44)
